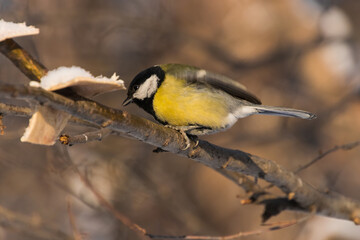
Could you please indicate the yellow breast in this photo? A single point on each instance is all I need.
(180, 104)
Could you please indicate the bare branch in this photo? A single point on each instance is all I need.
(241, 180)
(26, 63)
(122, 218)
(304, 195)
(15, 110)
(85, 137)
(345, 147)
(76, 233)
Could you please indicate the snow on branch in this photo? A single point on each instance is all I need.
(80, 80)
(12, 30)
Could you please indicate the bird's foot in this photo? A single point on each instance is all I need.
(182, 130)
(195, 139)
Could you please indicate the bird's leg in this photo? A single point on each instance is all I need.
(183, 130)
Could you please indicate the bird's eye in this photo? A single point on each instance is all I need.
(136, 87)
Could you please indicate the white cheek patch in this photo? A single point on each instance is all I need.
(148, 88)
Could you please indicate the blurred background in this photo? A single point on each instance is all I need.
(296, 53)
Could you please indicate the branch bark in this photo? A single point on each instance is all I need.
(303, 195)
(85, 137)
(24, 61)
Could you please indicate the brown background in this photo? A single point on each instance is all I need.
(300, 54)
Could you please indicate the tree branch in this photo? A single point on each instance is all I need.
(25, 62)
(85, 137)
(304, 196)
(13, 110)
(76, 233)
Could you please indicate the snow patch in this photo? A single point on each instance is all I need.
(12, 30)
(81, 81)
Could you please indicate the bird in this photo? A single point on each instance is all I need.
(197, 102)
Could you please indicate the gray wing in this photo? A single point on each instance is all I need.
(223, 83)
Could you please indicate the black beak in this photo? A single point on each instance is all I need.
(127, 101)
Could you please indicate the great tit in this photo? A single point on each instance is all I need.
(195, 101)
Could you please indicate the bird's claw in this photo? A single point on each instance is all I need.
(187, 142)
(196, 143)
(185, 136)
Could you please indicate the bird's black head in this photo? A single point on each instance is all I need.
(143, 87)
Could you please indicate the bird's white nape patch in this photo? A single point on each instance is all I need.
(148, 88)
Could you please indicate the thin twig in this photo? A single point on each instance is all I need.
(269, 228)
(122, 218)
(85, 137)
(76, 233)
(345, 147)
